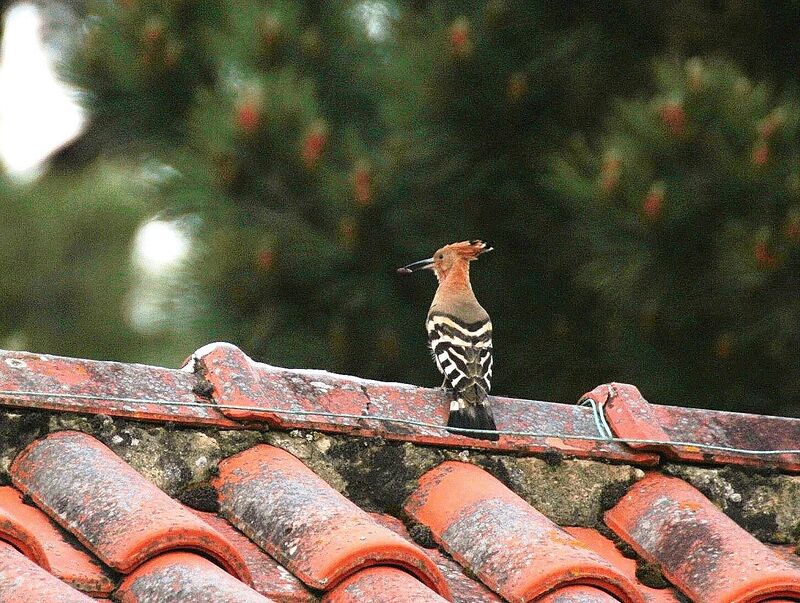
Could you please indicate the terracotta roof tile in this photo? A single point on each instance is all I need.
(183, 577)
(21, 580)
(270, 578)
(700, 550)
(788, 552)
(259, 393)
(463, 588)
(42, 541)
(508, 544)
(306, 537)
(114, 511)
(381, 585)
(314, 531)
(608, 550)
(577, 594)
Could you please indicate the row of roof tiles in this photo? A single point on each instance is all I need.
(221, 386)
(79, 522)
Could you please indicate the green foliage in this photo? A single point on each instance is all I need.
(687, 231)
(275, 150)
(646, 219)
(138, 64)
(65, 261)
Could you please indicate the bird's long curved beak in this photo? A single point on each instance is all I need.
(414, 266)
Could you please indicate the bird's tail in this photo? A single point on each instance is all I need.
(471, 410)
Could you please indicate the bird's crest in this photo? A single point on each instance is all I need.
(470, 250)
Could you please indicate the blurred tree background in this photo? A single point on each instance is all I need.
(635, 165)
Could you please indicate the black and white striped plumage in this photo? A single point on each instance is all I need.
(463, 354)
(460, 336)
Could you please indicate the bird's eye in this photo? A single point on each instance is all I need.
(440, 256)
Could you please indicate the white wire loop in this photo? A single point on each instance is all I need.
(606, 435)
(599, 416)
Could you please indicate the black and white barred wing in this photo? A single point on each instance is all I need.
(462, 351)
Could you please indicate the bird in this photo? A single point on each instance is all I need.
(460, 337)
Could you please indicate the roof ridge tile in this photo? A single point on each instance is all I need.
(632, 417)
(221, 374)
(120, 389)
(257, 390)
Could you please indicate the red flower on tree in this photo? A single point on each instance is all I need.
(248, 117)
(609, 172)
(460, 40)
(362, 184)
(760, 155)
(314, 145)
(653, 203)
(765, 258)
(674, 117)
(265, 260)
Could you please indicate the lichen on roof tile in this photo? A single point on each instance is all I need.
(318, 534)
(21, 580)
(508, 544)
(270, 578)
(52, 548)
(114, 511)
(184, 577)
(765, 503)
(571, 491)
(382, 585)
(700, 550)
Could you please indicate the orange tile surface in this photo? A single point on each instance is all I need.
(463, 588)
(608, 551)
(381, 585)
(315, 532)
(270, 578)
(508, 544)
(114, 511)
(41, 540)
(700, 549)
(22, 581)
(183, 577)
(577, 594)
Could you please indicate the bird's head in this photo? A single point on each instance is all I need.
(448, 256)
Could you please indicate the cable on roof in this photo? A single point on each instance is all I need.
(599, 417)
(602, 425)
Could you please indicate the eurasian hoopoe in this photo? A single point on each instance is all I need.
(460, 336)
